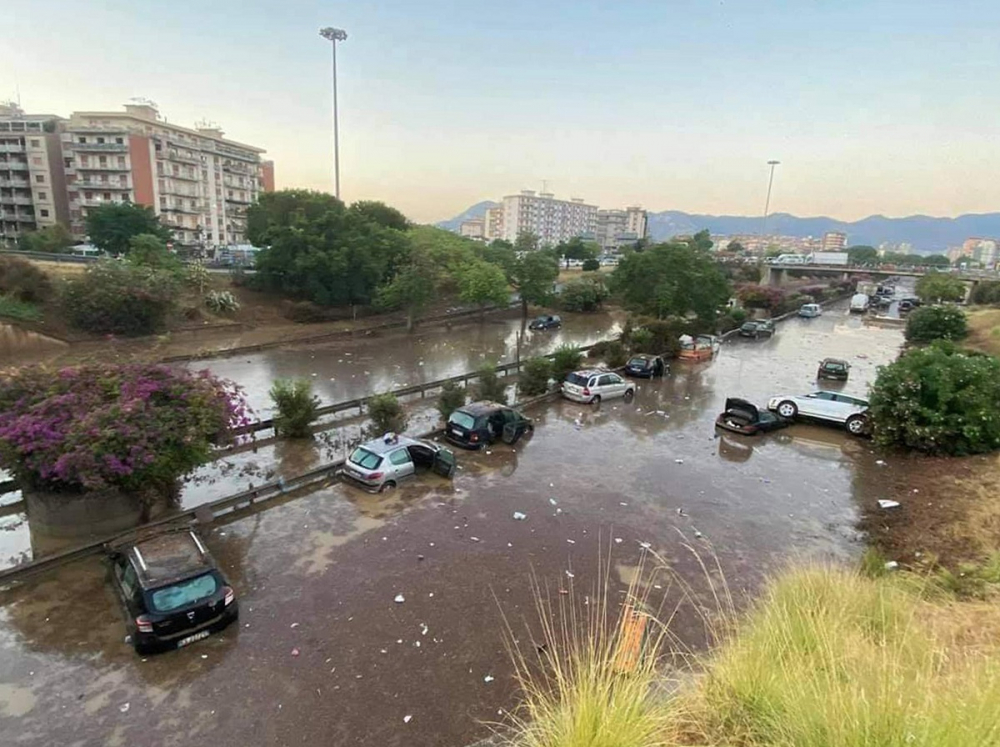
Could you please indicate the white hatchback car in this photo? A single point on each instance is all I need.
(593, 386)
(833, 407)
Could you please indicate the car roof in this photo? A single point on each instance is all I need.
(590, 372)
(643, 356)
(834, 360)
(481, 407)
(380, 446)
(169, 556)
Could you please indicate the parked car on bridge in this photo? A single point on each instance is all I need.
(592, 386)
(646, 366)
(476, 425)
(549, 321)
(830, 407)
(381, 464)
(171, 590)
(745, 418)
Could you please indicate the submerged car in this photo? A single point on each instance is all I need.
(834, 369)
(479, 424)
(545, 322)
(171, 590)
(698, 348)
(830, 407)
(646, 366)
(757, 328)
(745, 418)
(381, 464)
(810, 310)
(591, 386)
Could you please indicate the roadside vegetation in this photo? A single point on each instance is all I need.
(452, 397)
(387, 415)
(296, 406)
(929, 323)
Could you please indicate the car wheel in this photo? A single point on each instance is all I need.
(629, 393)
(787, 409)
(596, 399)
(387, 487)
(857, 425)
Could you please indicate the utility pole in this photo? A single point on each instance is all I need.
(333, 36)
(767, 201)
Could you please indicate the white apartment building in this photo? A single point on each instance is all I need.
(616, 228)
(472, 229)
(493, 223)
(32, 195)
(197, 181)
(550, 219)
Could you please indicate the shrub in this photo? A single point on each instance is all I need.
(535, 375)
(583, 294)
(615, 355)
(196, 275)
(296, 407)
(986, 292)
(642, 341)
(23, 281)
(591, 265)
(96, 427)
(565, 361)
(221, 302)
(489, 387)
(929, 323)
(119, 298)
(22, 311)
(938, 399)
(452, 397)
(663, 336)
(147, 250)
(936, 287)
(387, 414)
(760, 296)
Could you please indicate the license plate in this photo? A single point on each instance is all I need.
(456, 431)
(192, 638)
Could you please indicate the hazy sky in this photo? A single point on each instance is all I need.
(871, 106)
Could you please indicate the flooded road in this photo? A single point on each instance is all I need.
(323, 655)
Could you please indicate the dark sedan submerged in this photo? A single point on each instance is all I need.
(833, 368)
(747, 419)
(646, 366)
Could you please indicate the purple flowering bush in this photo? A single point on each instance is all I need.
(93, 427)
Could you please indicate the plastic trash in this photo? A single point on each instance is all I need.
(882, 503)
(569, 574)
(892, 565)
(678, 461)
(553, 501)
(399, 599)
(295, 652)
(488, 678)
(519, 516)
(124, 707)
(572, 542)
(407, 718)
(618, 540)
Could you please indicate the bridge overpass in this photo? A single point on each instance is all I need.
(777, 275)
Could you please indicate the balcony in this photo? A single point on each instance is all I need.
(23, 183)
(87, 184)
(11, 148)
(92, 203)
(185, 177)
(180, 158)
(102, 147)
(13, 165)
(181, 209)
(99, 167)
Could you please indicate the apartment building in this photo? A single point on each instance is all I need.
(472, 229)
(196, 180)
(550, 219)
(493, 223)
(834, 241)
(32, 191)
(616, 228)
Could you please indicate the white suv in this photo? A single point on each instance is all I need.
(832, 407)
(593, 386)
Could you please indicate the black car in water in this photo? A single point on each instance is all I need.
(549, 321)
(646, 366)
(171, 590)
(757, 328)
(834, 369)
(747, 419)
(479, 424)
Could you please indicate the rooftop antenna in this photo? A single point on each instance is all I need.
(545, 185)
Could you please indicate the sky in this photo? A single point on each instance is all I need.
(872, 107)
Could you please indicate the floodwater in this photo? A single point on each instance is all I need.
(323, 655)
(24, 346)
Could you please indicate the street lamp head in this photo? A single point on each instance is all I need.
(773, 163)
(333, 34)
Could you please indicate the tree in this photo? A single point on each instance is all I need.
(591, 265)
(861, 254)
(986, 292)
(296, 407)
(533, 276)
(381, 214)
(577, 248)
(702, 240)
(930, 323)
(483, 284)
(671, 279)
(583, 294)
(148, 250)
(112, 226)
(412, 289)
(939, 288)
(736, 248)
(938, 399)
(52, 239)
(526, 242)
(285, 208)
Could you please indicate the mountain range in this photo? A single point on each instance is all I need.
(923, 232)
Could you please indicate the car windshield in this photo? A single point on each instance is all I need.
(638, 362)
(463, 419)
(184, 593)
(833, 366)
(575, 378)
(364, 458)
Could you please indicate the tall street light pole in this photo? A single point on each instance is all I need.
(333, 36)
(767, 202)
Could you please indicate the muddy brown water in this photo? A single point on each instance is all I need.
(323, 655)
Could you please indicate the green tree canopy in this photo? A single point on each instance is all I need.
(937, 287)
(526, 242)
(702, 240)
(381, 214)
(112, 226)
(533, 276)
(412, 289)
(577, 248)
(284, 208)
(861, 254)
(736, 248)
(929, 323)
(671, 279)
(483, 284)
(52, 239)
(149, 250)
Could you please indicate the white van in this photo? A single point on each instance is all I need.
(85, 250)
(859, 303)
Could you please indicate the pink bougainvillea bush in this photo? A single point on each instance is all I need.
(132, 427)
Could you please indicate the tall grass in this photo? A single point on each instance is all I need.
(825, 658)
(22, 311)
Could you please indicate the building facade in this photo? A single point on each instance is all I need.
(472, 229)
(617, 228)
(551, 220)
(834, 241)
(197, 181)
(493, 223)
(32, 189)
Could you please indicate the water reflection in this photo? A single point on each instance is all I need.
(23, 347)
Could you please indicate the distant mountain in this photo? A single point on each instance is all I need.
(476, 211)
(923, 232)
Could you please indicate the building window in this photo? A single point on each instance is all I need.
(43, 196)
(81, 140)
(68, 162)
(36, 160)
(121, 162)
(35, 143)
(44, 213)
(88, 195)
(100, 140)
(40, 178)
(120, 141)
(102, 160)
